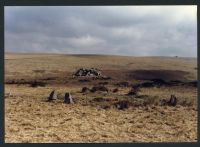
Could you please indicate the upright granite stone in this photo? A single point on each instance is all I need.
(52, 96)
(172, 101)
(68, 98)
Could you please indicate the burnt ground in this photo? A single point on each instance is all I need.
(167, 75)
(146, 78)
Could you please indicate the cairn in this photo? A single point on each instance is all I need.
(82, 72)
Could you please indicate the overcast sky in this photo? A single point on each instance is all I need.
(119, 30)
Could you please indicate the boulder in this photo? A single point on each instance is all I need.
(85, 89)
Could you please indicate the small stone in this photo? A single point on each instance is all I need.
(85, 89)
(122, 105)
(133, 91)
(115, 90)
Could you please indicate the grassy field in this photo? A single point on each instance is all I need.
(94, 117)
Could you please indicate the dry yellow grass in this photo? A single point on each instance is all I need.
(29, 118)
(23, 65)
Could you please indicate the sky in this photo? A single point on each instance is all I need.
(112, 30)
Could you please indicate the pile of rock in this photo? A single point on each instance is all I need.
(92, 72)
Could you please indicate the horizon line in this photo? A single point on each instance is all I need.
(88, 54)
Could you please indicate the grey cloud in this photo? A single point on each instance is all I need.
(119, 30)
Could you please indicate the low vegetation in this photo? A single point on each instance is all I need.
(122, 102)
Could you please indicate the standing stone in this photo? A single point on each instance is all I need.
(68, 98)
(172, 101)
(52, 96)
